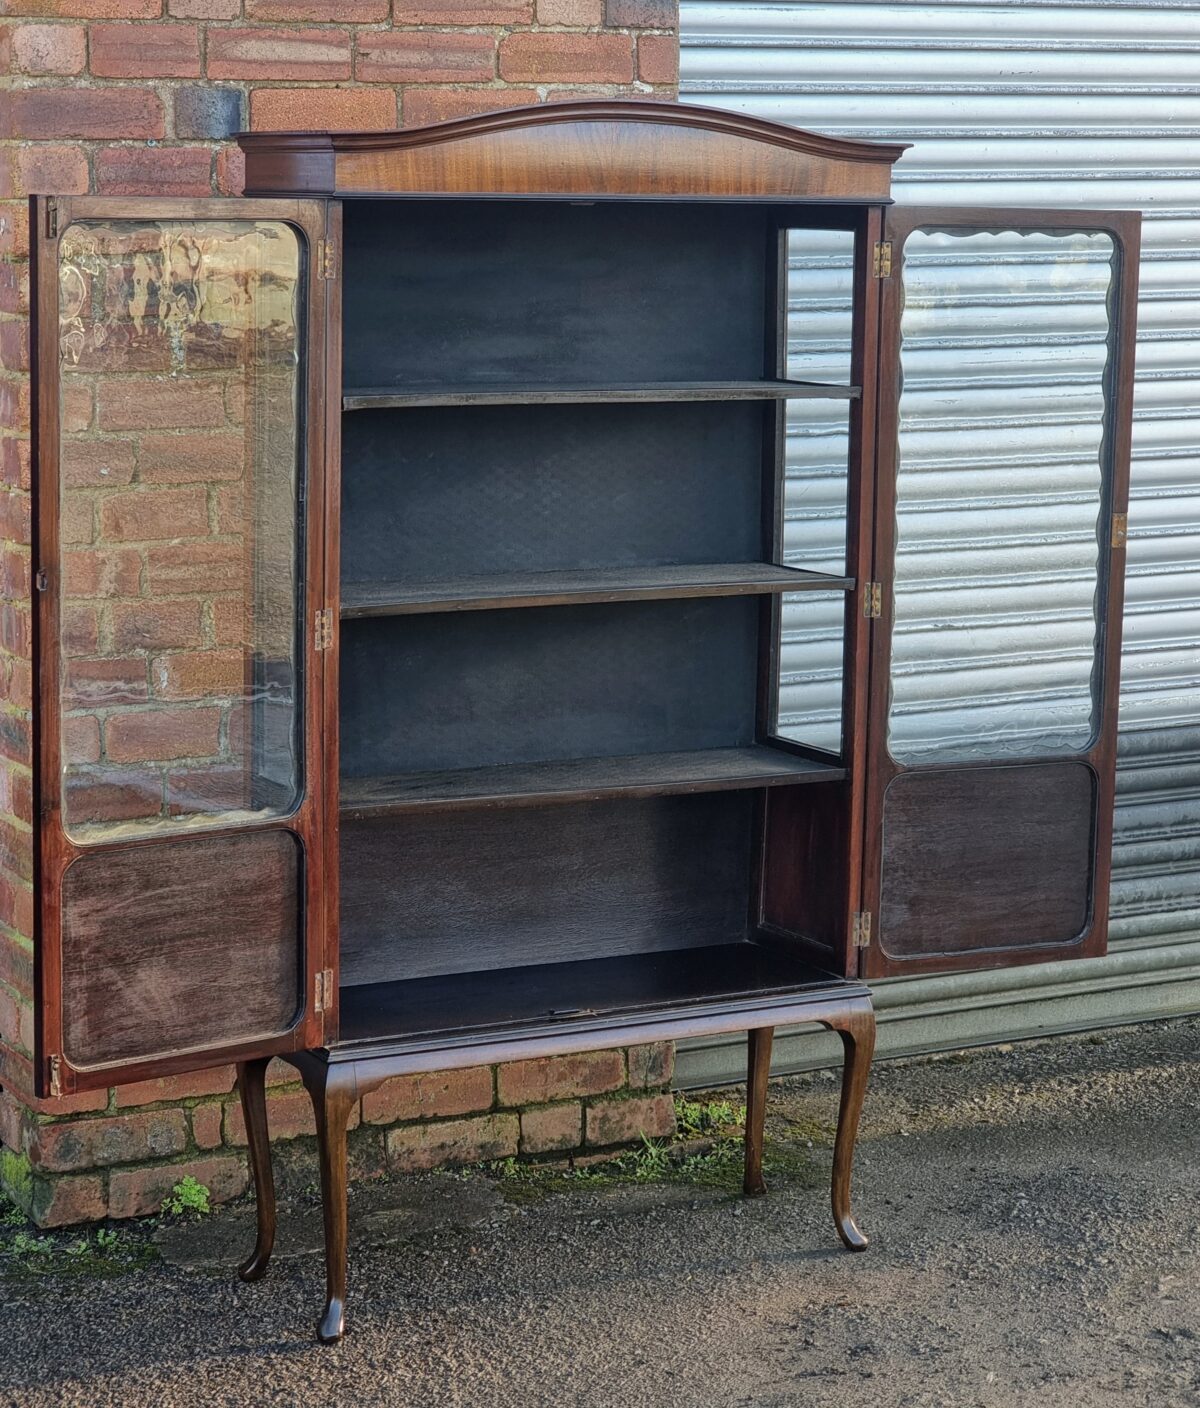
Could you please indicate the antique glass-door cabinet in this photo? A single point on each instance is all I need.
(487, 603)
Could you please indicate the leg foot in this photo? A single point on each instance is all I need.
(252, 1088)
(333, 1094)
(758, 1070)
(857, 1031)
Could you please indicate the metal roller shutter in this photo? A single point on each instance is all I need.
(1017, 102)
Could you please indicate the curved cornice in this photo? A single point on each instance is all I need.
(633, 110)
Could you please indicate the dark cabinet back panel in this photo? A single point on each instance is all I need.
(156, 954)
(466, 292)
(987, 858)
(520, 686)
(434, 493)
(453, 892)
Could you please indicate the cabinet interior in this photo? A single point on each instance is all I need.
(562, 438)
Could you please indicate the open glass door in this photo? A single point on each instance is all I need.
(180, 576)
(1006, 372)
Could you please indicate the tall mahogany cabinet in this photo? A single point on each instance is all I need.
(484, 608)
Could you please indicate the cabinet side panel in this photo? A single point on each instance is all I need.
(983, 858)
(149, 968)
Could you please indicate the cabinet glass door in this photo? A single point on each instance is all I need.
(1005, 385)
(180, 570)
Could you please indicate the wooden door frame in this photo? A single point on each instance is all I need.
(1124, 229)
(50, 217)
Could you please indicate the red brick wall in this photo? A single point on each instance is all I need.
(129, 97)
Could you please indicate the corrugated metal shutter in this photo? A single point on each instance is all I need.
(1024, 102)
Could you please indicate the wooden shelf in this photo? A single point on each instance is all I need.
(551, 996)
(582, 779)
(364, 398)
(513, 589)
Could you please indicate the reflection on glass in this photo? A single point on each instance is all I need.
(1001, 460)
(180, 350)
(810, 668)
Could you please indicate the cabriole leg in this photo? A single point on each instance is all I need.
(857, 1030)
(758, 1071)
(252, 1089)
(333, 1101)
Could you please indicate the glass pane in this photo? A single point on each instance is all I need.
(180, 358)
(1000, 466)
(810, 668)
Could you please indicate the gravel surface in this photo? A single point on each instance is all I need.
(1035, 1226)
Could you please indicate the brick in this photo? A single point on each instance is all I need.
(425, 57)
(623, 1121)
(86, 1143)
(78, 408)
(14, 298)
(92, 798)
(96, 463)
(429, 1095)
(145, 51)
(81, 740)
(10, 1021)
(580, 13)
(77, 522)
(16, 742)
(45, 168)
(424, 105)
(324, 109)
(658, 58)
(229, 621)
(204, 9)
(154, 513)
(555, 56)
(642, 14)
(102, 572)
(503, 12)
(80, 630)
(156, 625)
(306, 54)
(202, 675)
(159, 403)
(161, 734)
(651, 1065)
(190, 459)
(16, 795)
(202, 110)
(12, 1122)
(108, 114)
(15, 628)
(200, 567)
(49, 48)
(15, 580)
(161, 171)
(231, 171)
(16, 957)
(560, 1077)
(15, 517)
(478, 1140)
(552, 1128)
(206, 1125)
(137, 1191)
(17, 1075)
(14, 345)
(343, 11)
(94, 9)
(14, 224)
(217, 1081)
(66, 1202)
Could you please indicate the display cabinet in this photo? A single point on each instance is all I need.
(483, 605)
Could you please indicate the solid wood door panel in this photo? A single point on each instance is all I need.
(151, 959)
(973, 855)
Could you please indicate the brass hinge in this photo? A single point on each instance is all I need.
(327, 259)
(881, 264)
(872, 600)
(55, 1076)
(1120, 529)
(323, 630)
(323, 998)
(51, 219)
(860, 933)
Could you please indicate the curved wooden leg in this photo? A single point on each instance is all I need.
(758, 1062)
(857, 1030)
(333, 1098)
(252, 1089)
